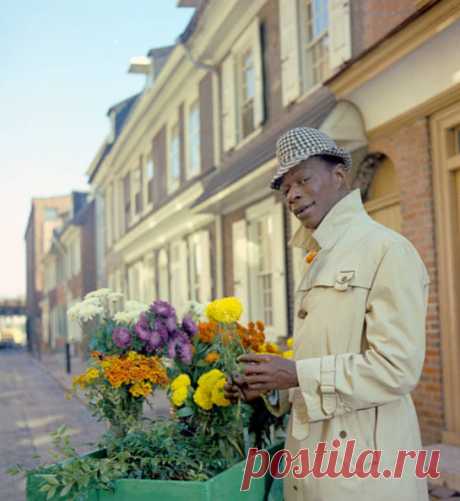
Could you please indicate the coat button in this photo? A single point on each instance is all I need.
(302, 314)
(295, 487)
(343, 434)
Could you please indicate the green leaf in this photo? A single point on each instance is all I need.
(51, 493)
(66, 489)
(184, 412)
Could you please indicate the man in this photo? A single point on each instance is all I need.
(359, 333)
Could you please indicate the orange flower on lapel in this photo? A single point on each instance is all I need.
(310, 256)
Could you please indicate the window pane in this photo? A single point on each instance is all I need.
(248, 76)
(320, 23)
(149, 169)
(316, 42)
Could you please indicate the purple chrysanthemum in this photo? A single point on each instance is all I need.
(179, 345)
(162, 309)
(155, 340)
(189, 326)
(171, 323)
(142, 328)
(121, 337)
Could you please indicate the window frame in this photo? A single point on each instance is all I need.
(307, 68)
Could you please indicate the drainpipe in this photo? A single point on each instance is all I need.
(198, 64)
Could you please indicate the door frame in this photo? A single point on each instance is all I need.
(445, 166)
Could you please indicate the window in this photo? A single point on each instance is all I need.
(315, 41)
(261, 235)
(149, 174)
(242, 88)
(199, 265)
(174, 159)
(247, 93)
(127, 200)
(193, 161)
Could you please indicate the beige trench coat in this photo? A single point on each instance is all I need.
(359, 346)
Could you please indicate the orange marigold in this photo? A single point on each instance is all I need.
(207, 331)
(212, 357)
(260, 325)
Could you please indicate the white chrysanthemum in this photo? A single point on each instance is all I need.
(115, 296)
(99, 293)
(126, 317)
(84, 311)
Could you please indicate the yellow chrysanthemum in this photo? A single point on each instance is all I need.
(140, 389)
(179, 396)
(202, 398)
(226, 310)
(288, 354)
(183, 380)
(272, 348)
(290, 342)
(91, 375)
(210, 378)
(79, 381)
(217, 394)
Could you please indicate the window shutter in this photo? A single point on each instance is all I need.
(240, 265)
(205, 272)
(290, 58)
(228, 103)
(179, 282)
(258, 74)
(279, 273)
(339, 32)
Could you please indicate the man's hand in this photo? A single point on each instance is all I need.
(236, 388)
(268, 372)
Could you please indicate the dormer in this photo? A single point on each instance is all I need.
(150, 65)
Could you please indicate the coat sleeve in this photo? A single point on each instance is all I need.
(279, 404)
(395, 330)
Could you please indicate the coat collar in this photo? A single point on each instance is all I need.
(332, 226)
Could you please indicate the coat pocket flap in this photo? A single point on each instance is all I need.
(339, 279)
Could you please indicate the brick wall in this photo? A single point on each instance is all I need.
(373, 19)
(409, 149)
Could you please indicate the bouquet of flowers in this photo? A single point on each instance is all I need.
(196, 390)
(129, 349)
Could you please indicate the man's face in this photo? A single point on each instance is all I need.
(312, 188)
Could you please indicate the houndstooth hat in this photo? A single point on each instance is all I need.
(300, 144)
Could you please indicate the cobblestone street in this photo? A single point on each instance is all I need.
(33, 404)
